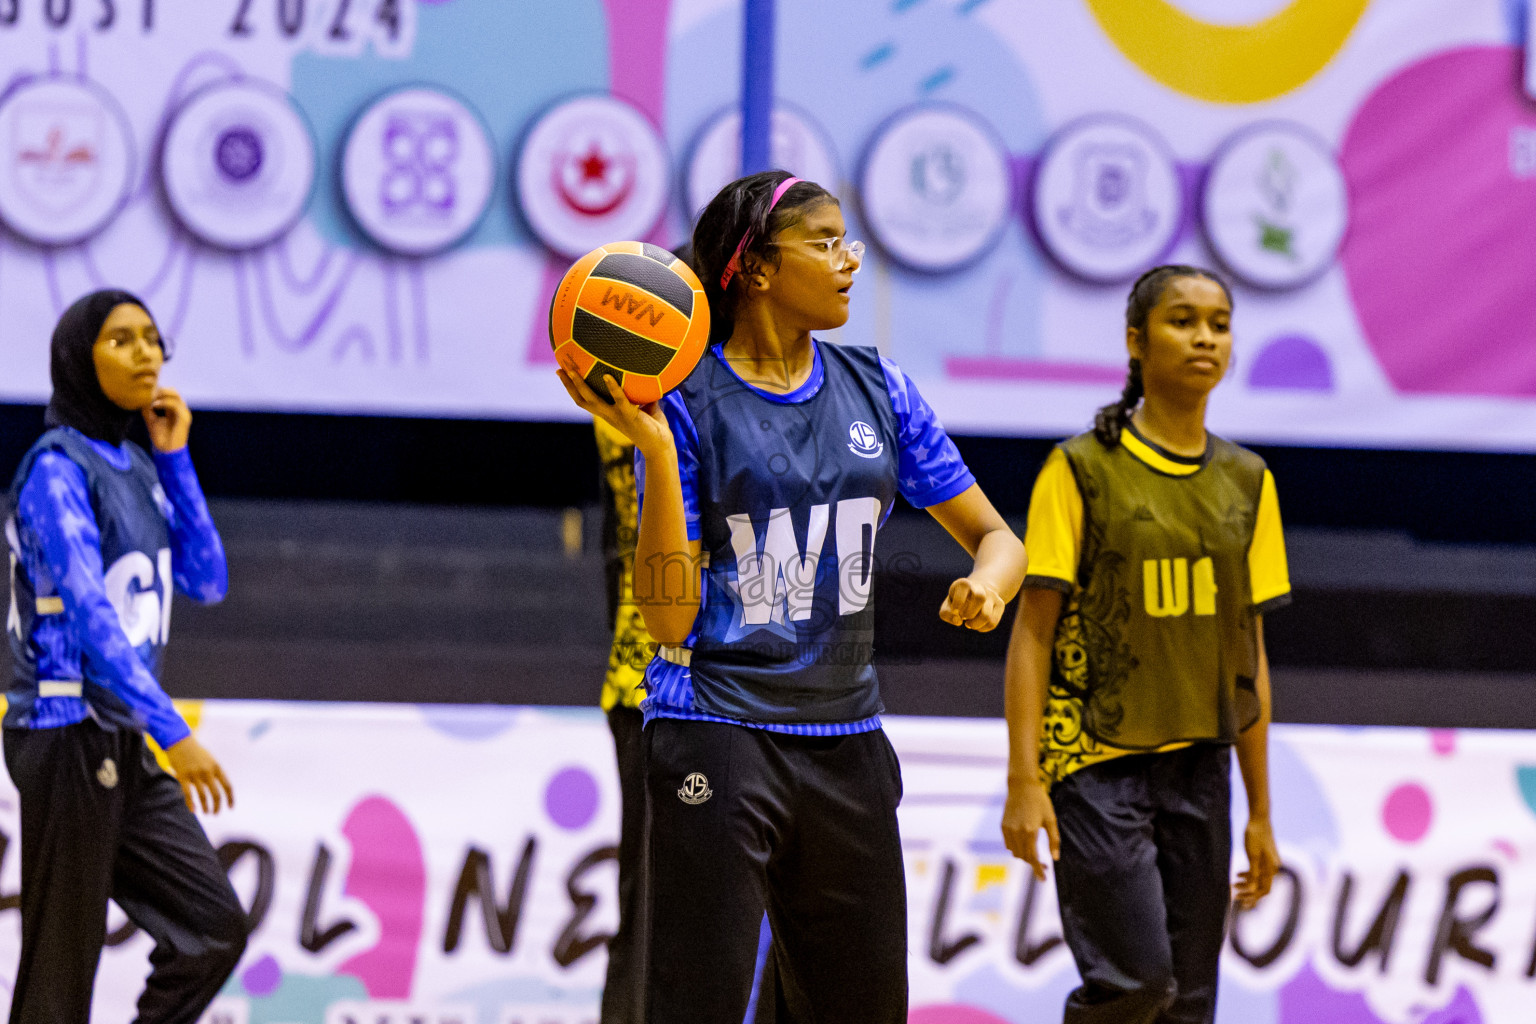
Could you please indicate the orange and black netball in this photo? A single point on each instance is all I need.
(634, 311)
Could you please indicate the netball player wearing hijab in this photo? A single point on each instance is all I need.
(1137, 662)
(765, 479)
(99, 532)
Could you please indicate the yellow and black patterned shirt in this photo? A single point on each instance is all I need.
(1103, 655)
(632, 645)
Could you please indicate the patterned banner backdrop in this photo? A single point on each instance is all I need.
(455, 865)
(364, 205)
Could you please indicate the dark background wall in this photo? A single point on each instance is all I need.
(1468, 497)
(378, 558)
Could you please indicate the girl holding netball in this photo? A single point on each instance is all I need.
(1137, 662)
(765, 480)
(99, 533)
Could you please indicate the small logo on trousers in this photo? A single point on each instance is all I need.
(107, 773)
(695, 789)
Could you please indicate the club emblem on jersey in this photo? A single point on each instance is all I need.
(863, 441)
(695, 789)
(107, 774)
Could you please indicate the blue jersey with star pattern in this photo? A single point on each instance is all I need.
(786, 493)
(98, 536)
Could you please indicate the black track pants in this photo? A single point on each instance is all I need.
(100, 819)
(624, 989)
(1144, 884)
(743, 820)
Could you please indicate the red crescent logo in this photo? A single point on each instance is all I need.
(593, 166)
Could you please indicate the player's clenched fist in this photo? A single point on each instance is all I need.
(972, 605)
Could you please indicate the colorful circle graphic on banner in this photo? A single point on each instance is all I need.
(591, 169)
(418, 170)
(1275, 205)
(68, 160)
(796, 144)
(1229, 63)
(937, 187)
(238, 164)
(1107, 199)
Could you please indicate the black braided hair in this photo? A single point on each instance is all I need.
(738, 210)
(1146, 293)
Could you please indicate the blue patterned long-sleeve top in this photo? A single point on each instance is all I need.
(89, 634)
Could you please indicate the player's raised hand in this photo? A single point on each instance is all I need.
(168, 420)
(972, 605)
(644, 425)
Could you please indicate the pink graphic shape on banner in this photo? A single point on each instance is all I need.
(1440, 161)
(637, 53)
(1005, 369)
(1408, 813)
(389, 875)
(953, 1014)
(637, 72)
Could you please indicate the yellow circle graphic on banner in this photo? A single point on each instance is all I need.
(1229, 63)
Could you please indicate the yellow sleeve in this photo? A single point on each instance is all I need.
(631, 649)
(612, 446)
(1268, 574)
(617, 456)
(1054, 533)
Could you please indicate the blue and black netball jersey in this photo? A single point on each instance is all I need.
(98, 536)
(786, 493)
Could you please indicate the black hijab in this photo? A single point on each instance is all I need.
(78, 400)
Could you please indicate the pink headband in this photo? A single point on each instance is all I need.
(734, 266)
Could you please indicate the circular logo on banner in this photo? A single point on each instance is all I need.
(796, 144)
(937, 187)
(1275, 205)
(417, 171)
(591, 170)
(1107, 201)
(238, 164)
(66, 160)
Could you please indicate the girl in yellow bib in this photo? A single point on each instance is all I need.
(1136, 665)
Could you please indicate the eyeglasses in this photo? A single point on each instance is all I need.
(837, 252)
